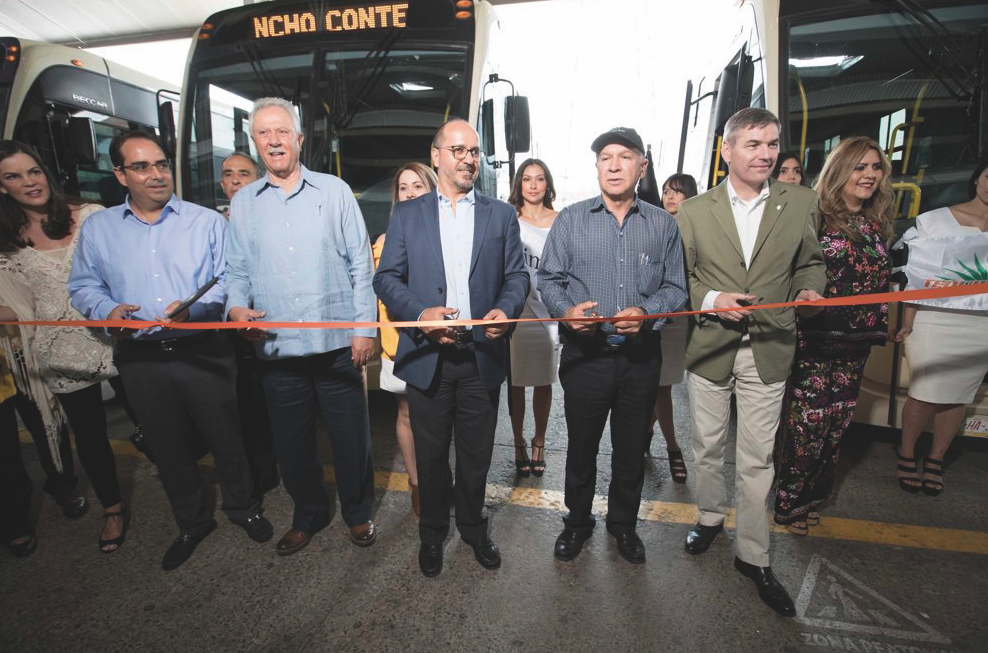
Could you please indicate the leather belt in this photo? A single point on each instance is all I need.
(167, 344)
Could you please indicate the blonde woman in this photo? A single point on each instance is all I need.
(855, 226)
(412, 180)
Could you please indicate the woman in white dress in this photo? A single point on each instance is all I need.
(534, 357)
(675, 190)
(947, 349)
(412, 180)
(38, 229)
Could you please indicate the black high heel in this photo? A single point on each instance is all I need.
(118, 541)
(538, 462)
(932, 486)
(523, 466)
(908, 466)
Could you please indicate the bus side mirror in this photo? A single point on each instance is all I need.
(487, 124)
(166, 126)
(733, 90)
(517, 124)
(82, 138)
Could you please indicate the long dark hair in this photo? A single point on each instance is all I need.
(972, 186)
(516, 200)
(785, 156)
(13, 218)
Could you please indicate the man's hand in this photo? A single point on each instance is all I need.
(122, 312)
(580, 310)
(732, 300)
(442, 335)
(806, 295)
(181, 317)
(495, 331)
(630, 327)
(242, 314)
(362, 350)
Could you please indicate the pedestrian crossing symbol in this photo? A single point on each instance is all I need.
(832, 598)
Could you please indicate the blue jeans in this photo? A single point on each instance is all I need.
(296, 389)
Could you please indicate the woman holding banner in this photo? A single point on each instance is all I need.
(855, 218)
(946, 339)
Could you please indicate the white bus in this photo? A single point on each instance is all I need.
(372, 83)
(68, 104)
(910, 75)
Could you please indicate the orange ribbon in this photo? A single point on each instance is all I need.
(854, 300)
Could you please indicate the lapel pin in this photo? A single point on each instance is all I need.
(778, 207)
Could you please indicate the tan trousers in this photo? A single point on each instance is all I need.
(759, 411)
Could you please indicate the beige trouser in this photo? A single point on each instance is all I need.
(759, 409)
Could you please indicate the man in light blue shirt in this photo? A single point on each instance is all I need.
(297, 250)
(139, 260)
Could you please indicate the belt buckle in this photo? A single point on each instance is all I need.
(166, 345)
(461, 338)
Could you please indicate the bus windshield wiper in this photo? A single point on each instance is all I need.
(268, 81)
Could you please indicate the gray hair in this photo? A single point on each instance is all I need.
(750, 117)
(265, 102)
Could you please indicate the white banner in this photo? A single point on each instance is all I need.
(947, 261)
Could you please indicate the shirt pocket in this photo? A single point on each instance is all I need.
(650, 275)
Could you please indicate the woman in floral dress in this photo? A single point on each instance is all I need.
(855, 222)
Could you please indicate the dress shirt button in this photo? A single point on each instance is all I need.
(290, 249)
(620, 285)
(153, 251)
(159, 299)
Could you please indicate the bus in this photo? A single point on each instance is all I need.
(68, 104)
(372, 83)
(913, 76)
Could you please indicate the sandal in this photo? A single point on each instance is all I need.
(677, 466)
(118, 541)
(798, 528)
(538, 462)
(523, 466)
(932, 486)
(812, 518)
(910, 484)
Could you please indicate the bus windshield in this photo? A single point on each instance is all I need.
(908, 80)
(365, 110)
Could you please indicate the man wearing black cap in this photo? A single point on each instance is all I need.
(613, 255)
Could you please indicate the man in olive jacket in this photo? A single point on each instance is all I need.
(748, 241)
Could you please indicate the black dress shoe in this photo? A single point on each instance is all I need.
(699, 538)
(630, 546)
(486, 553)
(25, 548)
(431, 559)
(570, 542)
(73, 504)
(770, 590)
(183, 547)
(257, 527)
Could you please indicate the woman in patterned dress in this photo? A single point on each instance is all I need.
(38, 229)
(855, 223)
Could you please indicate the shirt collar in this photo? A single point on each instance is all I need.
(598, 205)
(306, 176)
(470, 198)
(172, 206)
(735, 198)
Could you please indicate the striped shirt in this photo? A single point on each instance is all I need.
(589, 256)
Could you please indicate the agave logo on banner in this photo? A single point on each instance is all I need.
(947, 262)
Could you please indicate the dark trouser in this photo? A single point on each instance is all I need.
(296, 389)
(86, 416)
(598, 382)
(457, 401)
(56, 482)
(176, 394)
(15, 484)
(255, 425)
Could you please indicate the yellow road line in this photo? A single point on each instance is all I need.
(834, 528)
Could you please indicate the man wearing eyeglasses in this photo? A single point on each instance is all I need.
(139, 260)
(453, 254)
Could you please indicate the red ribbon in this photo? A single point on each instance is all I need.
(854, 300)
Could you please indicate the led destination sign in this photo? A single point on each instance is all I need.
(340, 19)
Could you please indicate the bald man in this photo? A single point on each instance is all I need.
(236, 171)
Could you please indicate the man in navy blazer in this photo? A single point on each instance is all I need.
(453, 254)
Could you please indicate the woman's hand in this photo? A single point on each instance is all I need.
(901, 334)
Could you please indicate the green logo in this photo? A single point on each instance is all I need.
(977, 273)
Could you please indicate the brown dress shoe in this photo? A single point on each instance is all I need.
(416, 506)
(363, 535)
(292, 542)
